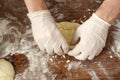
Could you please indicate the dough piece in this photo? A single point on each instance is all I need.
(6, 70)
(68, 29)
(20, 62)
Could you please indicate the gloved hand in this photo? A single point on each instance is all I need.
(46, 34)
(92, 34)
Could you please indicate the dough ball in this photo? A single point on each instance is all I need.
(68, 30)
(6, 70)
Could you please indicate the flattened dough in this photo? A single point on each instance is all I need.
(6, 70)
(68, 29)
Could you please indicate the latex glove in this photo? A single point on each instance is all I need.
(46, 34)
(92, 34)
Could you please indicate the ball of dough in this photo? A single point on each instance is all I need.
(6, 70)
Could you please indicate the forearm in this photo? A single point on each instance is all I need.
(35, 5)
(109, 10)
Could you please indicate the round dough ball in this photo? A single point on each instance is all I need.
(6, 70)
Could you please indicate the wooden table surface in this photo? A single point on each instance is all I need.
(104, 67)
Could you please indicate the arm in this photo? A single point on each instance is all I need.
(93, 32)
(109, 10)
(45, 32)
(35, 5)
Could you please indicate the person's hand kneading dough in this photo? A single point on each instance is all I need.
(46, 34)
(93, 32)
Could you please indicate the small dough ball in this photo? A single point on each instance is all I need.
(6, 70)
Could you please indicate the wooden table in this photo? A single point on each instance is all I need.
(104, 67)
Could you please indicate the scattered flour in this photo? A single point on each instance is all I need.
(98, 1)
(38, 60)
(73, 65)
(115, 34)
(104, 71)
(93, 75)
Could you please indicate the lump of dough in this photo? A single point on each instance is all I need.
(68, 29)
(6, 70)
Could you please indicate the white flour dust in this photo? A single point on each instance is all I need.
(9, 37)
(93, 75)
(104, 71)
(38, 69)
(115, 34)
(73, 65)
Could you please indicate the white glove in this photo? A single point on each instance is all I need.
(46, 34)
(92, 34)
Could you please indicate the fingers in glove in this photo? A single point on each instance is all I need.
(49, 50)
(49, 47)
(42, 48)
(58, 50)
(80, 47)
(65, 47)
(42, 44)
(92, 54)
(75, 38)
(75, 51)
(99, 52)
(82, 56)
(79, 52)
